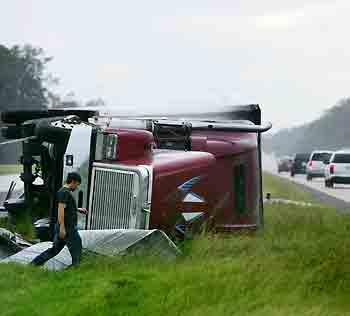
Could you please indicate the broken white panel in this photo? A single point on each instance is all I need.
(129, 241)
(61, 261)
(106, 242)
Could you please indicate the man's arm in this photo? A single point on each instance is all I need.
(62, 232)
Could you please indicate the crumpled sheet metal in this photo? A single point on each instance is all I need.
(129, 241)
(14, 242)
(108, 243)
(61, 261)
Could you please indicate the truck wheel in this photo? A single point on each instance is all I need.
(309, 177)
(51, 133)
(326, 183)
(292, 174)
(20, 116)
(331, 184)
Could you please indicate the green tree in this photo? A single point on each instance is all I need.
(23, 78)
(331, 131)
(24, 84)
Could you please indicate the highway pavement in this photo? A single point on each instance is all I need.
(339, 192)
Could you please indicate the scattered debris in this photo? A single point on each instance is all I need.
(269, 200)
(285, 201)
(61, 261)
(15, 242)
(119, 242)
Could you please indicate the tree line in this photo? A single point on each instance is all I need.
(331, 131)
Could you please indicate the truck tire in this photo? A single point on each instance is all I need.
(50, 133)
(20, 116)
(292, 174)
(308, 177)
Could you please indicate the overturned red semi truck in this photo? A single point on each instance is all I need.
(174, 174)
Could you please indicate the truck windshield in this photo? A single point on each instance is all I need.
(321, 156)
(341, 158)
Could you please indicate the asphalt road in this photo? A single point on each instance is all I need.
(338, 196)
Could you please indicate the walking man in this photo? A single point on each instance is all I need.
(66, 232)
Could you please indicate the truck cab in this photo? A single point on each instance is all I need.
(174, 174)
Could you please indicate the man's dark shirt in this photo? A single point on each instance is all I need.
(70, 212)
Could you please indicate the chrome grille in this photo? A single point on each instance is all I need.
(113, 199)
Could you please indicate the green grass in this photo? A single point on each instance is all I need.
(298, 265)
(284, 189)
(10, 169)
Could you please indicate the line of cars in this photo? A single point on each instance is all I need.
(333, 166)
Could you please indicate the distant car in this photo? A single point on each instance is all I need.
(316, 167)
(338, 168)
(299, 163)
(284, 164)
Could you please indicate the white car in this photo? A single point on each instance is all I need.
(338, 169)
(316, 166)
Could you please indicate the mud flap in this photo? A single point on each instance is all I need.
(118, 242)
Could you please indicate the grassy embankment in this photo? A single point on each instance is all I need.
(298, 265)
(10, 169)
(284, 189)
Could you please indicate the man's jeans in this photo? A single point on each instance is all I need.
(73, 242)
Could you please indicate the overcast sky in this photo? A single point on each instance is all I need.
(290, 56)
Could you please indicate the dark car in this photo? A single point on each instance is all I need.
(299, 164)
(284, 164)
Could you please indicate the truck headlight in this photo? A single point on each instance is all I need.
(110, 147)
